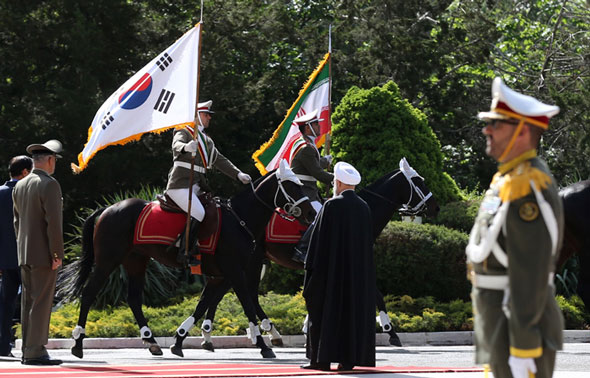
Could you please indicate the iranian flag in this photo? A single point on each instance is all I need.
(314, 95)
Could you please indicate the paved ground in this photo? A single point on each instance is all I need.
(414, 361)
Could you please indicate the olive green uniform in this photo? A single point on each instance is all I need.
(310, 168)
(38, 227)
(511, 259)
(179, 175)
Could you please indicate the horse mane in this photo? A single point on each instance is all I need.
(380, 181)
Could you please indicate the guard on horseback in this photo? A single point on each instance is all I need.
(185, 147)
(310, 167)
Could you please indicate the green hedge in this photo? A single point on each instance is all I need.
(459, 215)
(408, 314)
(422, 260)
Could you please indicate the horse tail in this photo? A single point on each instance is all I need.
(72, 277)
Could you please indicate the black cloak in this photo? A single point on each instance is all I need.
(339, 286)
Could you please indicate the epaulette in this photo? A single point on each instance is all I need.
(517, 183)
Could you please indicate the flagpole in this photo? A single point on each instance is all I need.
(328, 134)
(193, 154)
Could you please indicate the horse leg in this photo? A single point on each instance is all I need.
(584, 275)
(97, 279)
(136, 265)
(385, 322)
(240, 286)
(211, 291)
(254, 275)
(207, 325)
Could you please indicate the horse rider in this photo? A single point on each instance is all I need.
(310, 167)
(192, 142)
(513, 244)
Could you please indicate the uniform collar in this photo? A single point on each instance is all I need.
(40, 171)
(510, 165)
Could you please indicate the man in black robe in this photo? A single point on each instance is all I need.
(339, 286)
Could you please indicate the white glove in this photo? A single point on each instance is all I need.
(328, 158)
(244, 178)
(190, 146)
(520, 367)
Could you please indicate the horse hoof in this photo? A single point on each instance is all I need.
(207, 345)
(78, 352)
(277, 342)
(394, 340)
(176, 350)
(155, 350)
(268, 353)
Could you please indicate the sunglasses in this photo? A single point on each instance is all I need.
(494, 123)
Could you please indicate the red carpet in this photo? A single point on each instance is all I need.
(204, 370)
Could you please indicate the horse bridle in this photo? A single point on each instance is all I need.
(291, 207)
(413, 188)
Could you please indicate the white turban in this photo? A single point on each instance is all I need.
(346, 173)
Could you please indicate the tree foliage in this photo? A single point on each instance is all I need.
(375, 128)
(63, 58)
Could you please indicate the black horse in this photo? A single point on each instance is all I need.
(402, 188)
(576, 208)
(109, 243)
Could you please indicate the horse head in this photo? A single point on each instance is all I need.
(419, 198)
(288, 194)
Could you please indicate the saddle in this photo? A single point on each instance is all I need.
(209, 224)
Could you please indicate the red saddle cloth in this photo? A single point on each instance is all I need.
(156, 226)
(280, 230)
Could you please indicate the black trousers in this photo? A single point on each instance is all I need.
(8, 296)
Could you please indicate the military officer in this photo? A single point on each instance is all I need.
(39, 233)
(309, 167)
(184, 147)
(512, 247)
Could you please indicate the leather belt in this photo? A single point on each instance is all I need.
(486, 281)
(196, 168)
(306, 177)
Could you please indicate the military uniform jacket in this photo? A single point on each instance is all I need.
(511, 255)
(38, 219)
(310, 168)
(207, 157)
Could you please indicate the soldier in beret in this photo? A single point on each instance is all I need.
(514, 242)
(38, 227)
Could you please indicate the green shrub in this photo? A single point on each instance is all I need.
(374, 128)
(287, 312)
(281, 280)
(422, 260)
(459, 215)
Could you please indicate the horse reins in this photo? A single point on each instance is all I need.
(413, 188)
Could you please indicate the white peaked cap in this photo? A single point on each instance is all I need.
(205, 107)
(346, 173)
(507, 103)
(307, 118)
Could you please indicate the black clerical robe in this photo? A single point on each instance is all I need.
(339, 286)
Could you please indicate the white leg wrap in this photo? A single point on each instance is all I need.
(145, 332)
(76, 332)
(253, 331)
(265, 325)
(207, 326)
(384, 321)
(186, 326)
(274, 334)
(305, 323)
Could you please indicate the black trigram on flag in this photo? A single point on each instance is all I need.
(164, 61)
(164, 101)
(106, 120)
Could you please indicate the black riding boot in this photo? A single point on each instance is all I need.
(181, 256)
(300, 251)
